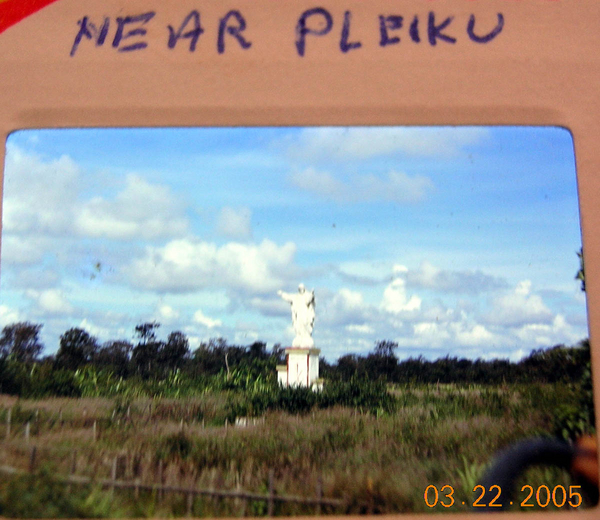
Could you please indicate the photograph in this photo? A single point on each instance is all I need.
(278, 321)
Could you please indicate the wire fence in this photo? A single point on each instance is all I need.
(270, 498)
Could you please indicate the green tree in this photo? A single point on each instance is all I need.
(114, 355)
(21, 342)
(145, 356)
(175, 352)
(77, 348)
(382, 362)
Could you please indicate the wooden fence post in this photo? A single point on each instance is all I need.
(73, 468)
(319, 494)
(271, 503)
(113, 474)
(73, 462)
(32, 459)
(27, 428)
(160, 479)
(190, 503)
(8, 421)
(94, 431)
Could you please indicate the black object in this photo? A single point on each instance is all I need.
(515, 460)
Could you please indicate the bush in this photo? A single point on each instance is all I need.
(358, 393)
(37, 380)
(574, 420)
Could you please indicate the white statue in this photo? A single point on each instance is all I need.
(303, 315)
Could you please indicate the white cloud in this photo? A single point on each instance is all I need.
(17, 250)
(51, 301)
(364, 272)
(395, 299)
(234, 222)
(321, 183)
(431, 333)
(393, 187)
(360, 329)
(364, 143)
(45, 197)
(205, 321)
(429, 276)
(140, 210)
(346, 307)
(9, 316)
(270, 306)
(38, 195)
(519, 308)
(477, 335)
(189, 264)
(166, 314)
(541, 334)
(102, 333)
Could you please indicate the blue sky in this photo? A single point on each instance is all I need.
(457, 241)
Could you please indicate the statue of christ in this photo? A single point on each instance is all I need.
(303, 315)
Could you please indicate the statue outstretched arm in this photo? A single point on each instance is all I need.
(286, 296)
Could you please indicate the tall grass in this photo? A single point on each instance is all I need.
(378, 459)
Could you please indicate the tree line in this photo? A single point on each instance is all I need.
(549, 365)
(148, 358)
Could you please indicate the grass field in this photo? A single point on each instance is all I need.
(380, 463)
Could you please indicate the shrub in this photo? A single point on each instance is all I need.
(358, 393)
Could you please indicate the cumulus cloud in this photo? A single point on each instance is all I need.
(166, 314)
(38, 194)
(431, 332)
(98, 331)
(205, 321)
(518, 308)
(345, 307)
(395, 299)
(189, 264)
(45, 197)
(140, 210)
(9, 315)
(393, 187)
(429, 276)
(546, 334)
(367, 142)
(50, 301)
(474, 335)
(234, 222)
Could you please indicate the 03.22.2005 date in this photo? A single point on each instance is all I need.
(492, 497)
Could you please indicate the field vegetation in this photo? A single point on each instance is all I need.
(375, 437)
(377, 462)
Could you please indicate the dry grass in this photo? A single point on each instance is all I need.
(378, 464)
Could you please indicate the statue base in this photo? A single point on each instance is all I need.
(301, 368)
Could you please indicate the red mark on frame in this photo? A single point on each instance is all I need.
(13, 11)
